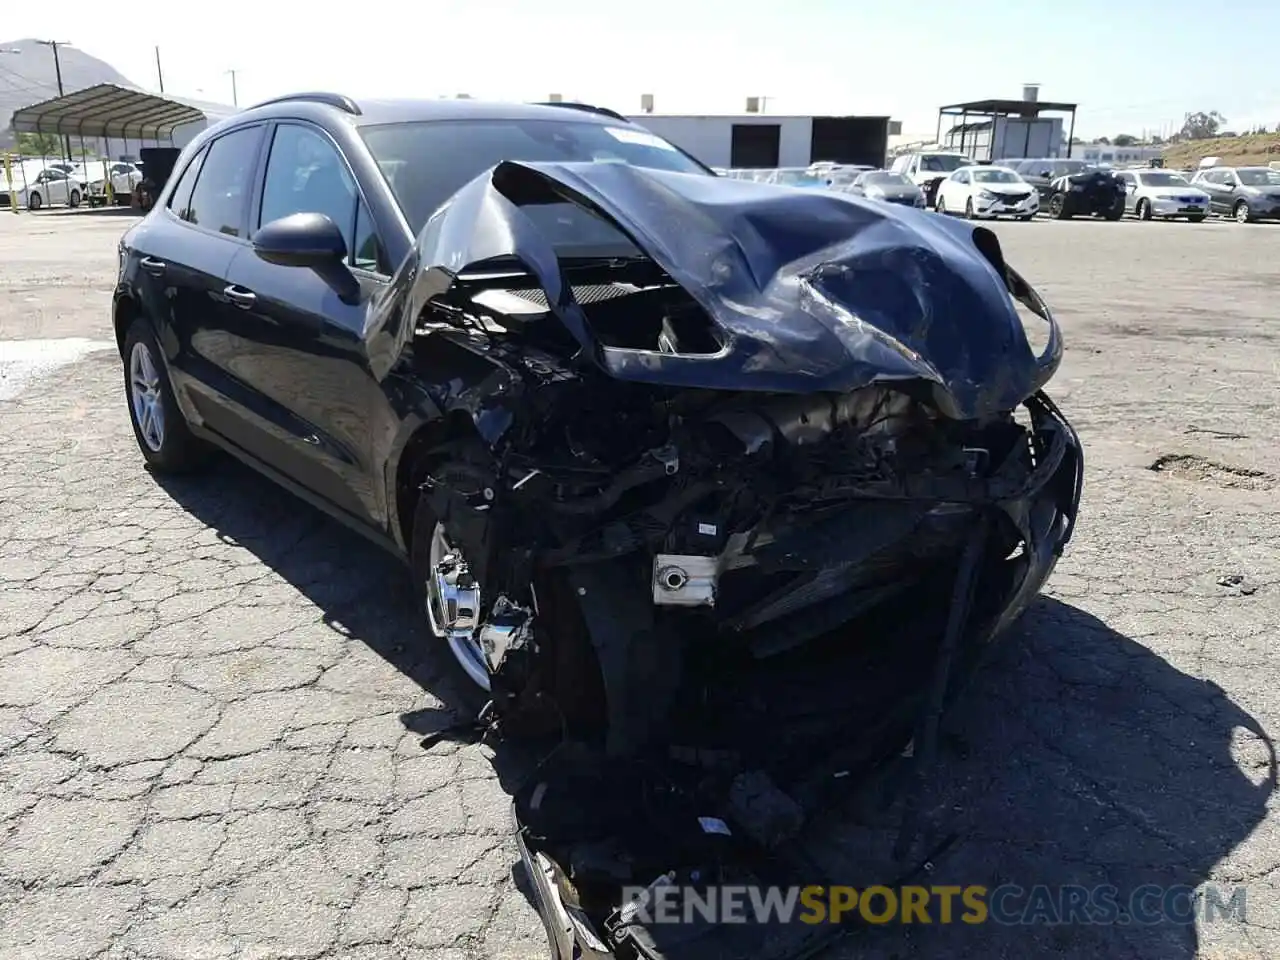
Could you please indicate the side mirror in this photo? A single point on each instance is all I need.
(313, 241)
(301, 240)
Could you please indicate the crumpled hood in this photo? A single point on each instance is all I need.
(811, 290)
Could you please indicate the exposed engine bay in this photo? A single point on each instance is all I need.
(721, 526)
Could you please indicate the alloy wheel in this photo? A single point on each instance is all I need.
(144, 393)
(453, 606)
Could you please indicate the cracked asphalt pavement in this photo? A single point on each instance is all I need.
(212, 698)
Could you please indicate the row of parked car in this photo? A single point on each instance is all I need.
(35, 184)
(953, 183)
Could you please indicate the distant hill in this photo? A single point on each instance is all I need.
(1256, 149)
(27, 76)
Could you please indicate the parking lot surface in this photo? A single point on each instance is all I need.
(212, 698)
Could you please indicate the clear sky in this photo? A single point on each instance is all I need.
(1131, 65)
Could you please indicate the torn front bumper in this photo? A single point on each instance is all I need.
(1043, 509)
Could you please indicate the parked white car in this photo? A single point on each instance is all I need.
(46, 188)
(1163, 193)
(988, 192)
(124, 177)
(928, 170)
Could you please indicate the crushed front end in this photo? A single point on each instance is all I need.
(1093, 193)
(740, 512)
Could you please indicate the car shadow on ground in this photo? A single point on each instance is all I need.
(1077, 759)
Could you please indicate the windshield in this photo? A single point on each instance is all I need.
(841, 178)
(942, 163)
(883, 178)
(427, 162)
(796, 178)
(995, 175)
(1163, 180)
(1259, 177)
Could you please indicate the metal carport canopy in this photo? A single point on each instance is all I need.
(107, 110)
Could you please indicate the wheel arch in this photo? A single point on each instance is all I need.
(411, 463)
(123, 312)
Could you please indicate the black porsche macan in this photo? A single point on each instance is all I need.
(685, 467)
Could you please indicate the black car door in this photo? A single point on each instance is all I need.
(195, 239)
(301, 344)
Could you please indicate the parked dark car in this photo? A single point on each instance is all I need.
(1243, 193)
(709, 482)
(886, 186)
(1090, 193)
(1043, 171)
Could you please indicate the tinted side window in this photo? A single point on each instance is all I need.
(222, 189)
(306, 174)
(180, 199)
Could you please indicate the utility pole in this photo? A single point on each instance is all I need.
(57, 69)
(235, 100)
(159, 72)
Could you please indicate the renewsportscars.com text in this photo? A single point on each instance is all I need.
(1009, 904)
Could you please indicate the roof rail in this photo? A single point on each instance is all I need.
(585, 107)
(344, 103)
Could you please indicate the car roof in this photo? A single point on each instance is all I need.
(375, 111)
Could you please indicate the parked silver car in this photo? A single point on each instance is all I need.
(1164, 194)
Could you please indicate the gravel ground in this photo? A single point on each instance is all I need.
(211, 698)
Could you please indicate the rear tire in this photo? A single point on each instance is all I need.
(1116, 212)
(34, 202)
(940, 207)
(968, 209)
(162, 432)
(1058, 207)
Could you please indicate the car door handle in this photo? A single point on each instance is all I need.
(153, 266)
(242, 298)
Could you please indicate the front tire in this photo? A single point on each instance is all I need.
(1241, 212)
(1144, 209)
(1058, 207)
(567, 691)
(162, 432)
(940, 206)
(1116, 212)
(968, 209)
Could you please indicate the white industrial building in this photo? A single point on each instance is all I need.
(755, 139)
(1108, 153)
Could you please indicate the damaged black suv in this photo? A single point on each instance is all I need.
(727, 484)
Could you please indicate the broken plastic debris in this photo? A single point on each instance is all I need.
(715, 825)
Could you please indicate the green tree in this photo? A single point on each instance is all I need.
(1125, 140)
(1202, 126)
(39, 145)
